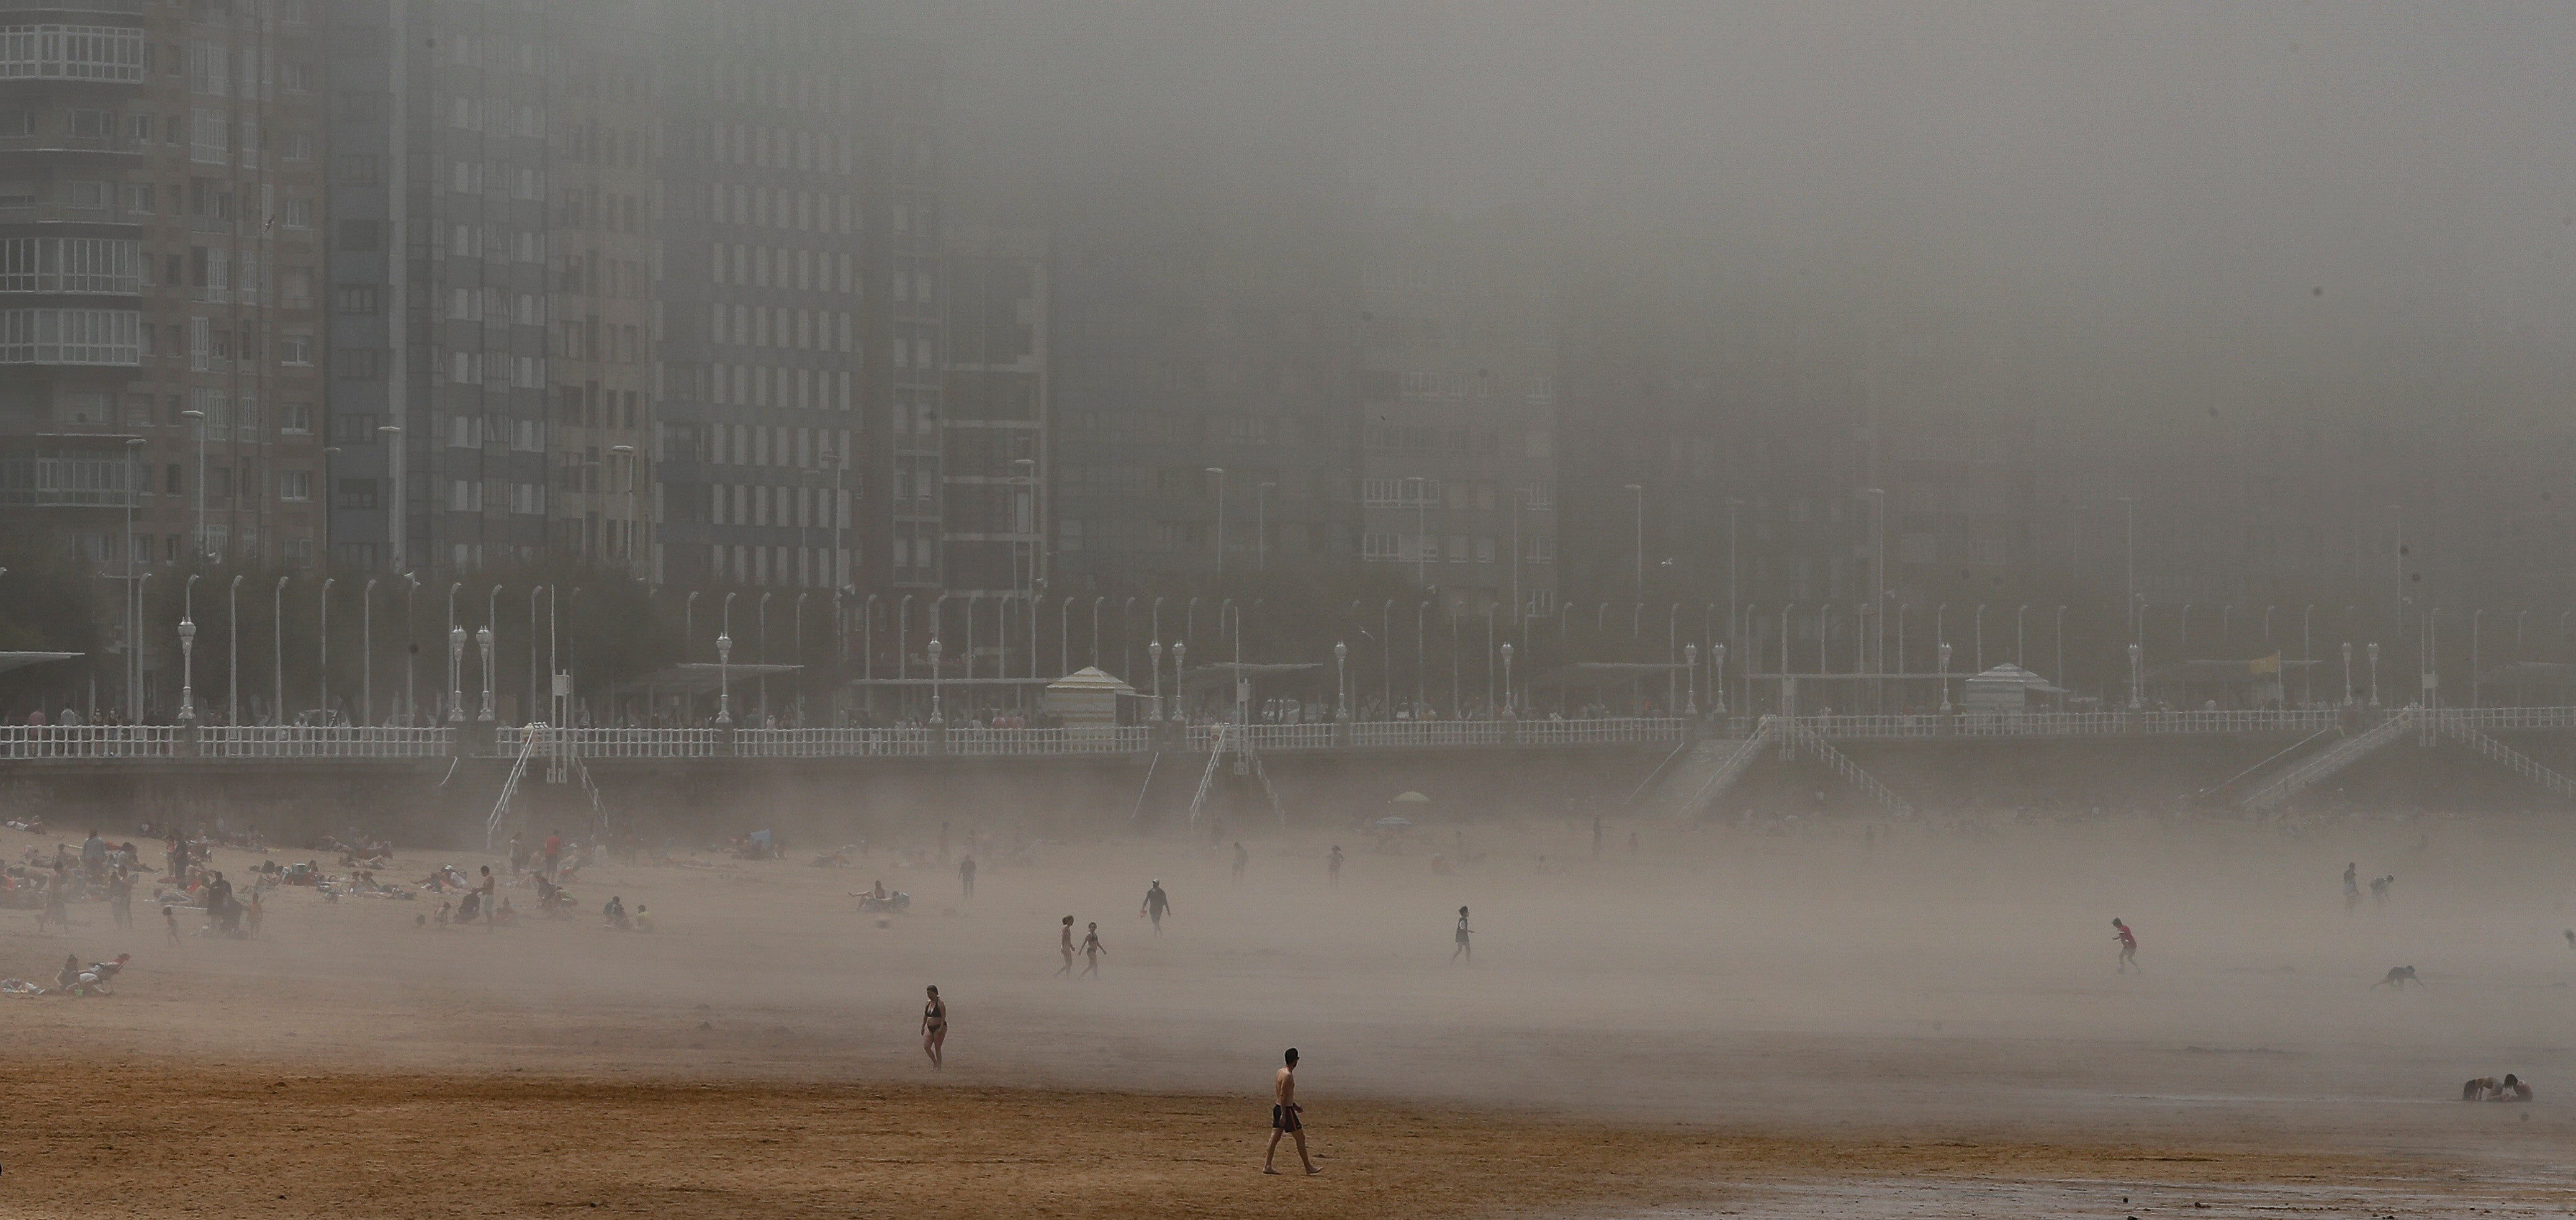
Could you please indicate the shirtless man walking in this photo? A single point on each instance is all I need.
(1284, 1117)
(1157, 905)
(1064, 943)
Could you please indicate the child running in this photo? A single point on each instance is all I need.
(1463, 949)
(2128, 948)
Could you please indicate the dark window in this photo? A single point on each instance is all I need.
(361, 235)
(356, 299)
(358, 364)
(355, 493)
(357, 169)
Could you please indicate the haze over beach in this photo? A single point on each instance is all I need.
(797, 608)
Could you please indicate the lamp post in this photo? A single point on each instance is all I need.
(1717, 676)
(1180, 693)
(411, 650)
(141, 639)
(2374, 673)
(1096, 603)
(1690, 666)
(724, 664)
(761, 614)
(483, 639)
(2476, 618)
(232, 654)
(491, 671)
(197, 541)
(1342, 681)
(1639, 491)
(188, 651)
(2348, 692)
(528, 715)
(2129, 508)
(1219, 472)
(1511, 702)
(1154, 656)
(1386, 653)
(2059, 635)
(1261, 526)
(938, 720)
(367, 653)
(2307, 659)
(1945, 678)
(323, 685)
(1981, 637)
(799, 636)
(626, 461)
(133, 604)
(2136, 678)
(1420, 690)
(2019, 639)
(455, 659)
(277, 650)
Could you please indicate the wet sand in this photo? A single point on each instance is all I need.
(1733, 1022)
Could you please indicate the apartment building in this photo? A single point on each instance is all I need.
(803, 301)
(1457, 460)
(492, 260)
(160, 183)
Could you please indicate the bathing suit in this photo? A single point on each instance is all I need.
(937, 1013)
(1283, 1118)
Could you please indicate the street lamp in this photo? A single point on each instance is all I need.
(2136, 678)
(627, 453)
(325, 680)
(1945, 678)
(1261, 526)
(367, 653)
(1511, 704)
(455, 659)
(411, 650)
(197, 544)
(1180, 694)
(1342, 670)
(724, 664)
(937, 720)
(1690, 667)
(1717, 676)
(188, 652)
(232, 654)
(483, 639)
(1639, 491)
(133, 605)
(1219, 472)
(2348, 692)
(398, 537)
(277, 650)
(2374, 673)
(1154, 655)
(140, 640)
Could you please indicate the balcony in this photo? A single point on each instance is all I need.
(65, 482)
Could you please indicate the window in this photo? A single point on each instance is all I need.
(358, 364)
(357, 169)
(297, 418)
(355, 428)
(359, 299)
(360, 236)
(1380, 548)
(295, 485)
(71, 336)
(355, 493)
(211, 140)
(296, 350)
(138, 200)
(71, 52)
(70, 264)
(1485, 549)
(87, 196)
(298, 213)
(93, 125)
(298, 146)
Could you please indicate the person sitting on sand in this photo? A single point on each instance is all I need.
(2398, 977)
(505, 913)
(615, 913)
(643, 918)
(2513, 1088)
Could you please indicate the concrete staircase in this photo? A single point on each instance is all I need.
(1703, 775)
(2331, 761)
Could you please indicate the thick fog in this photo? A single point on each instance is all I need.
(2367, 193)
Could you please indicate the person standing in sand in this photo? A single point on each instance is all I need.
(1157, 905)
(1333, 868)
(1285, 1117)
(1463, 933)
(1064, 942)
(2128, 947)
(966, 874)
(934, 1028)
(1091, 951)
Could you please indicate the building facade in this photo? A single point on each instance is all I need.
(160, 188)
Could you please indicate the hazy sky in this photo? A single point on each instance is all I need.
(2201, 168)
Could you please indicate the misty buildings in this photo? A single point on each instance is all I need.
(492, 259)
(160, 259)
(1457, 458)
(1193, 339)
(802, 300)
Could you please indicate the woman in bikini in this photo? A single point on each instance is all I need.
(934, 1027)
(1091, 951)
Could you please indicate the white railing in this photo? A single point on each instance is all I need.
(823, 743)
(2071, 724)
(1601, 732)
(300, 741)
(1087, 739)
(88, 741)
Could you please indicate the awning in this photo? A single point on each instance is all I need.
(697, 679)
(21, 660)
(1599, 675)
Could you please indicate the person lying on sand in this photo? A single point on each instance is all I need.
(2399, 977)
